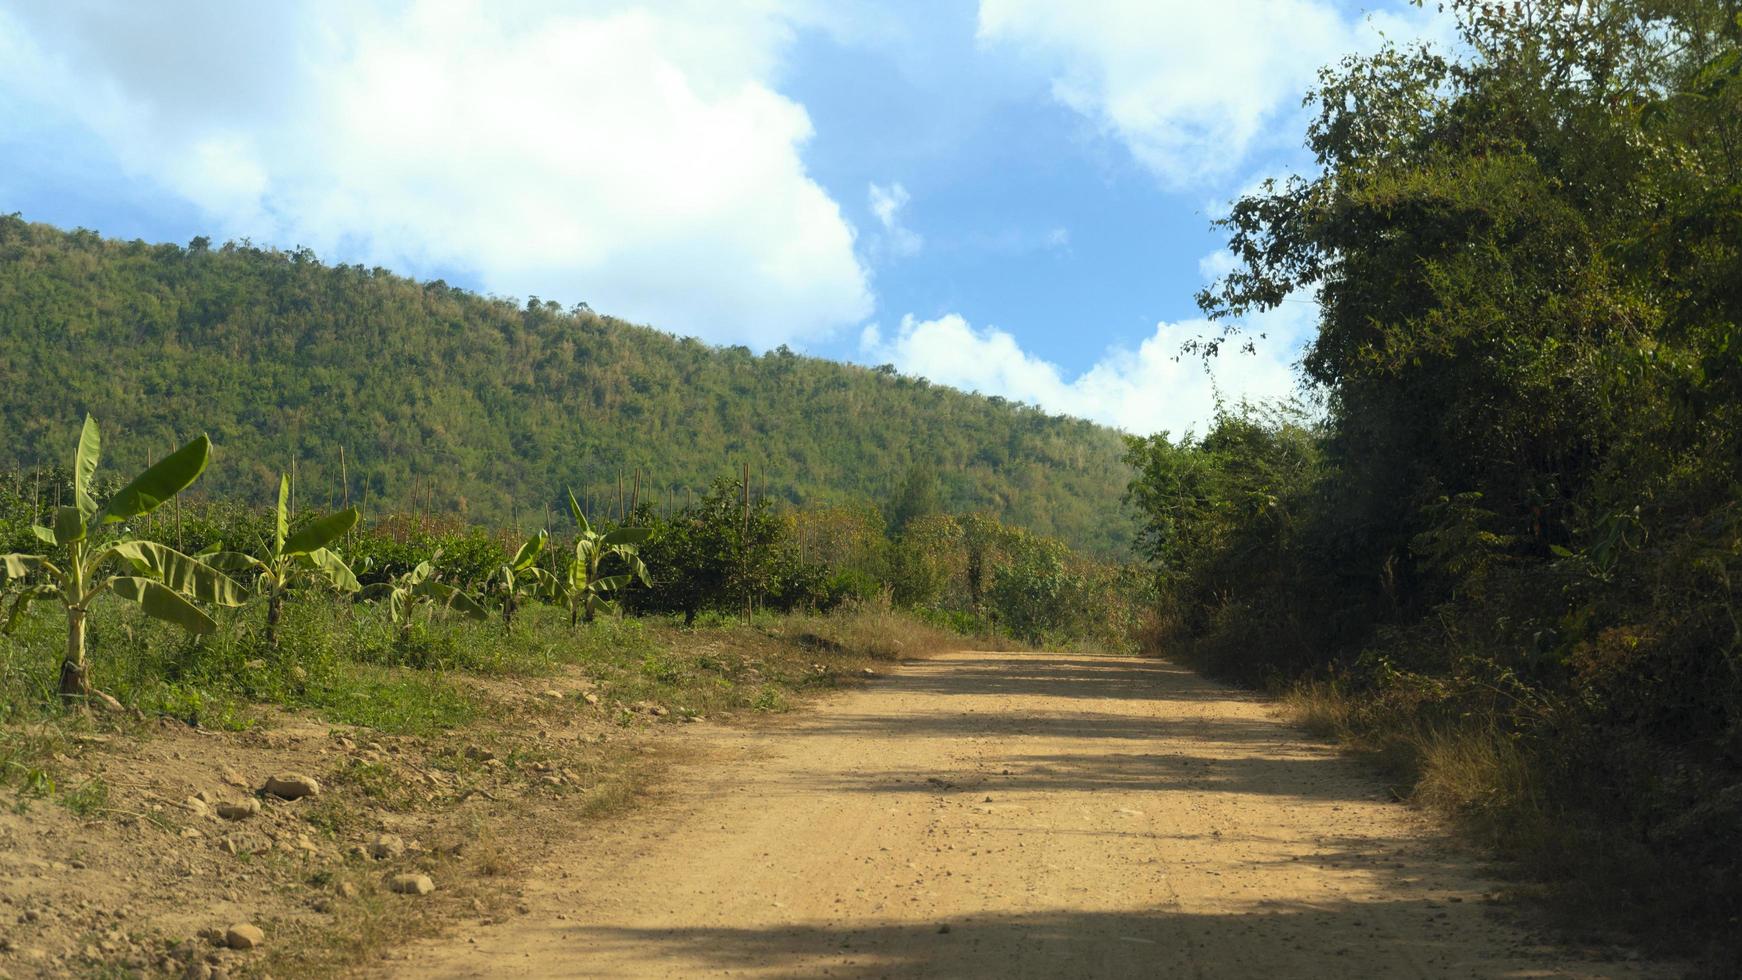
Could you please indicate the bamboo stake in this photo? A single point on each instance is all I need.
(745, 541)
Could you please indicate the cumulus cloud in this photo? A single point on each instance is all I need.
(1151, 389)
(636, 157)
(1190, 88)
(887, 203)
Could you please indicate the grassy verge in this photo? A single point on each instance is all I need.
(1536, 796)
(481, 745)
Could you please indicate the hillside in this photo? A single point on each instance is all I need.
(482, 406)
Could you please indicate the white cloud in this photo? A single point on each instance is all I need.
(1190, 88)
(638, 158)
(887, 203)
(1151, 389)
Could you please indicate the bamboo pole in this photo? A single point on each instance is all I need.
(744, 539)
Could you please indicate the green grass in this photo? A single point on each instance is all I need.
(347, 664)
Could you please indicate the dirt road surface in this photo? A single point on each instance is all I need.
(1013, 815)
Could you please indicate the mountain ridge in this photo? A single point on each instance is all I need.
(444, 399)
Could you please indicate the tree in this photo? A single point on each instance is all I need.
(582, 583)
(418, 588)
(292, 559)
(916, 498)
(93, 555)
(520, 576)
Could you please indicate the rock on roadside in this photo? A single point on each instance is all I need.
(244, 935)
(411, 884)
(292, 786)
(239, 811)
(385, 846)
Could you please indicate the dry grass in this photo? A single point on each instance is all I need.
(1470, 769)
(876, 630)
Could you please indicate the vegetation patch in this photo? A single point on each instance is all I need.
(1501, 548)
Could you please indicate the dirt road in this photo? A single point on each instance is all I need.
(1013, 815)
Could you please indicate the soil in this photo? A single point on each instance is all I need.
(1015, 815)
(146, 877)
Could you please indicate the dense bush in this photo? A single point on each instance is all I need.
(1513, 520)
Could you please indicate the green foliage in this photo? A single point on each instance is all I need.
(446, 402)
(712, 556)
(294, 558)
(520, 578)
(1516, 520)
(421, 588)
(582, 584)
(91, 556)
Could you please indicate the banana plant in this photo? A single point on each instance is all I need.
(91, 554)
(420, 587)
(294, 558)
(522, 577)
(580, 585)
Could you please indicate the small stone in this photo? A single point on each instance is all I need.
(551, 780)
(944, 928)
(411, 884)
(385, 846)
(238, 844)
(292, 786)
(239, 810)
(478, 753)
(346, 889)
(244, 935)
(554, 694)
(590, 698)
(196, 806)
(197, 970)
(191, 833)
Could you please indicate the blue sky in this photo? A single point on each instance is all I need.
(1010, 196)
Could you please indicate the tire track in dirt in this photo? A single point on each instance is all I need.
(1013, 815)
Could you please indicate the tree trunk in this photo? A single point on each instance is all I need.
(274, 613)
(75, 680)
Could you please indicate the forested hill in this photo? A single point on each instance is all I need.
(443, 398)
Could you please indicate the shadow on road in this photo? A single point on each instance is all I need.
(1277, 941)
(1061, 676)
(1235, 752)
